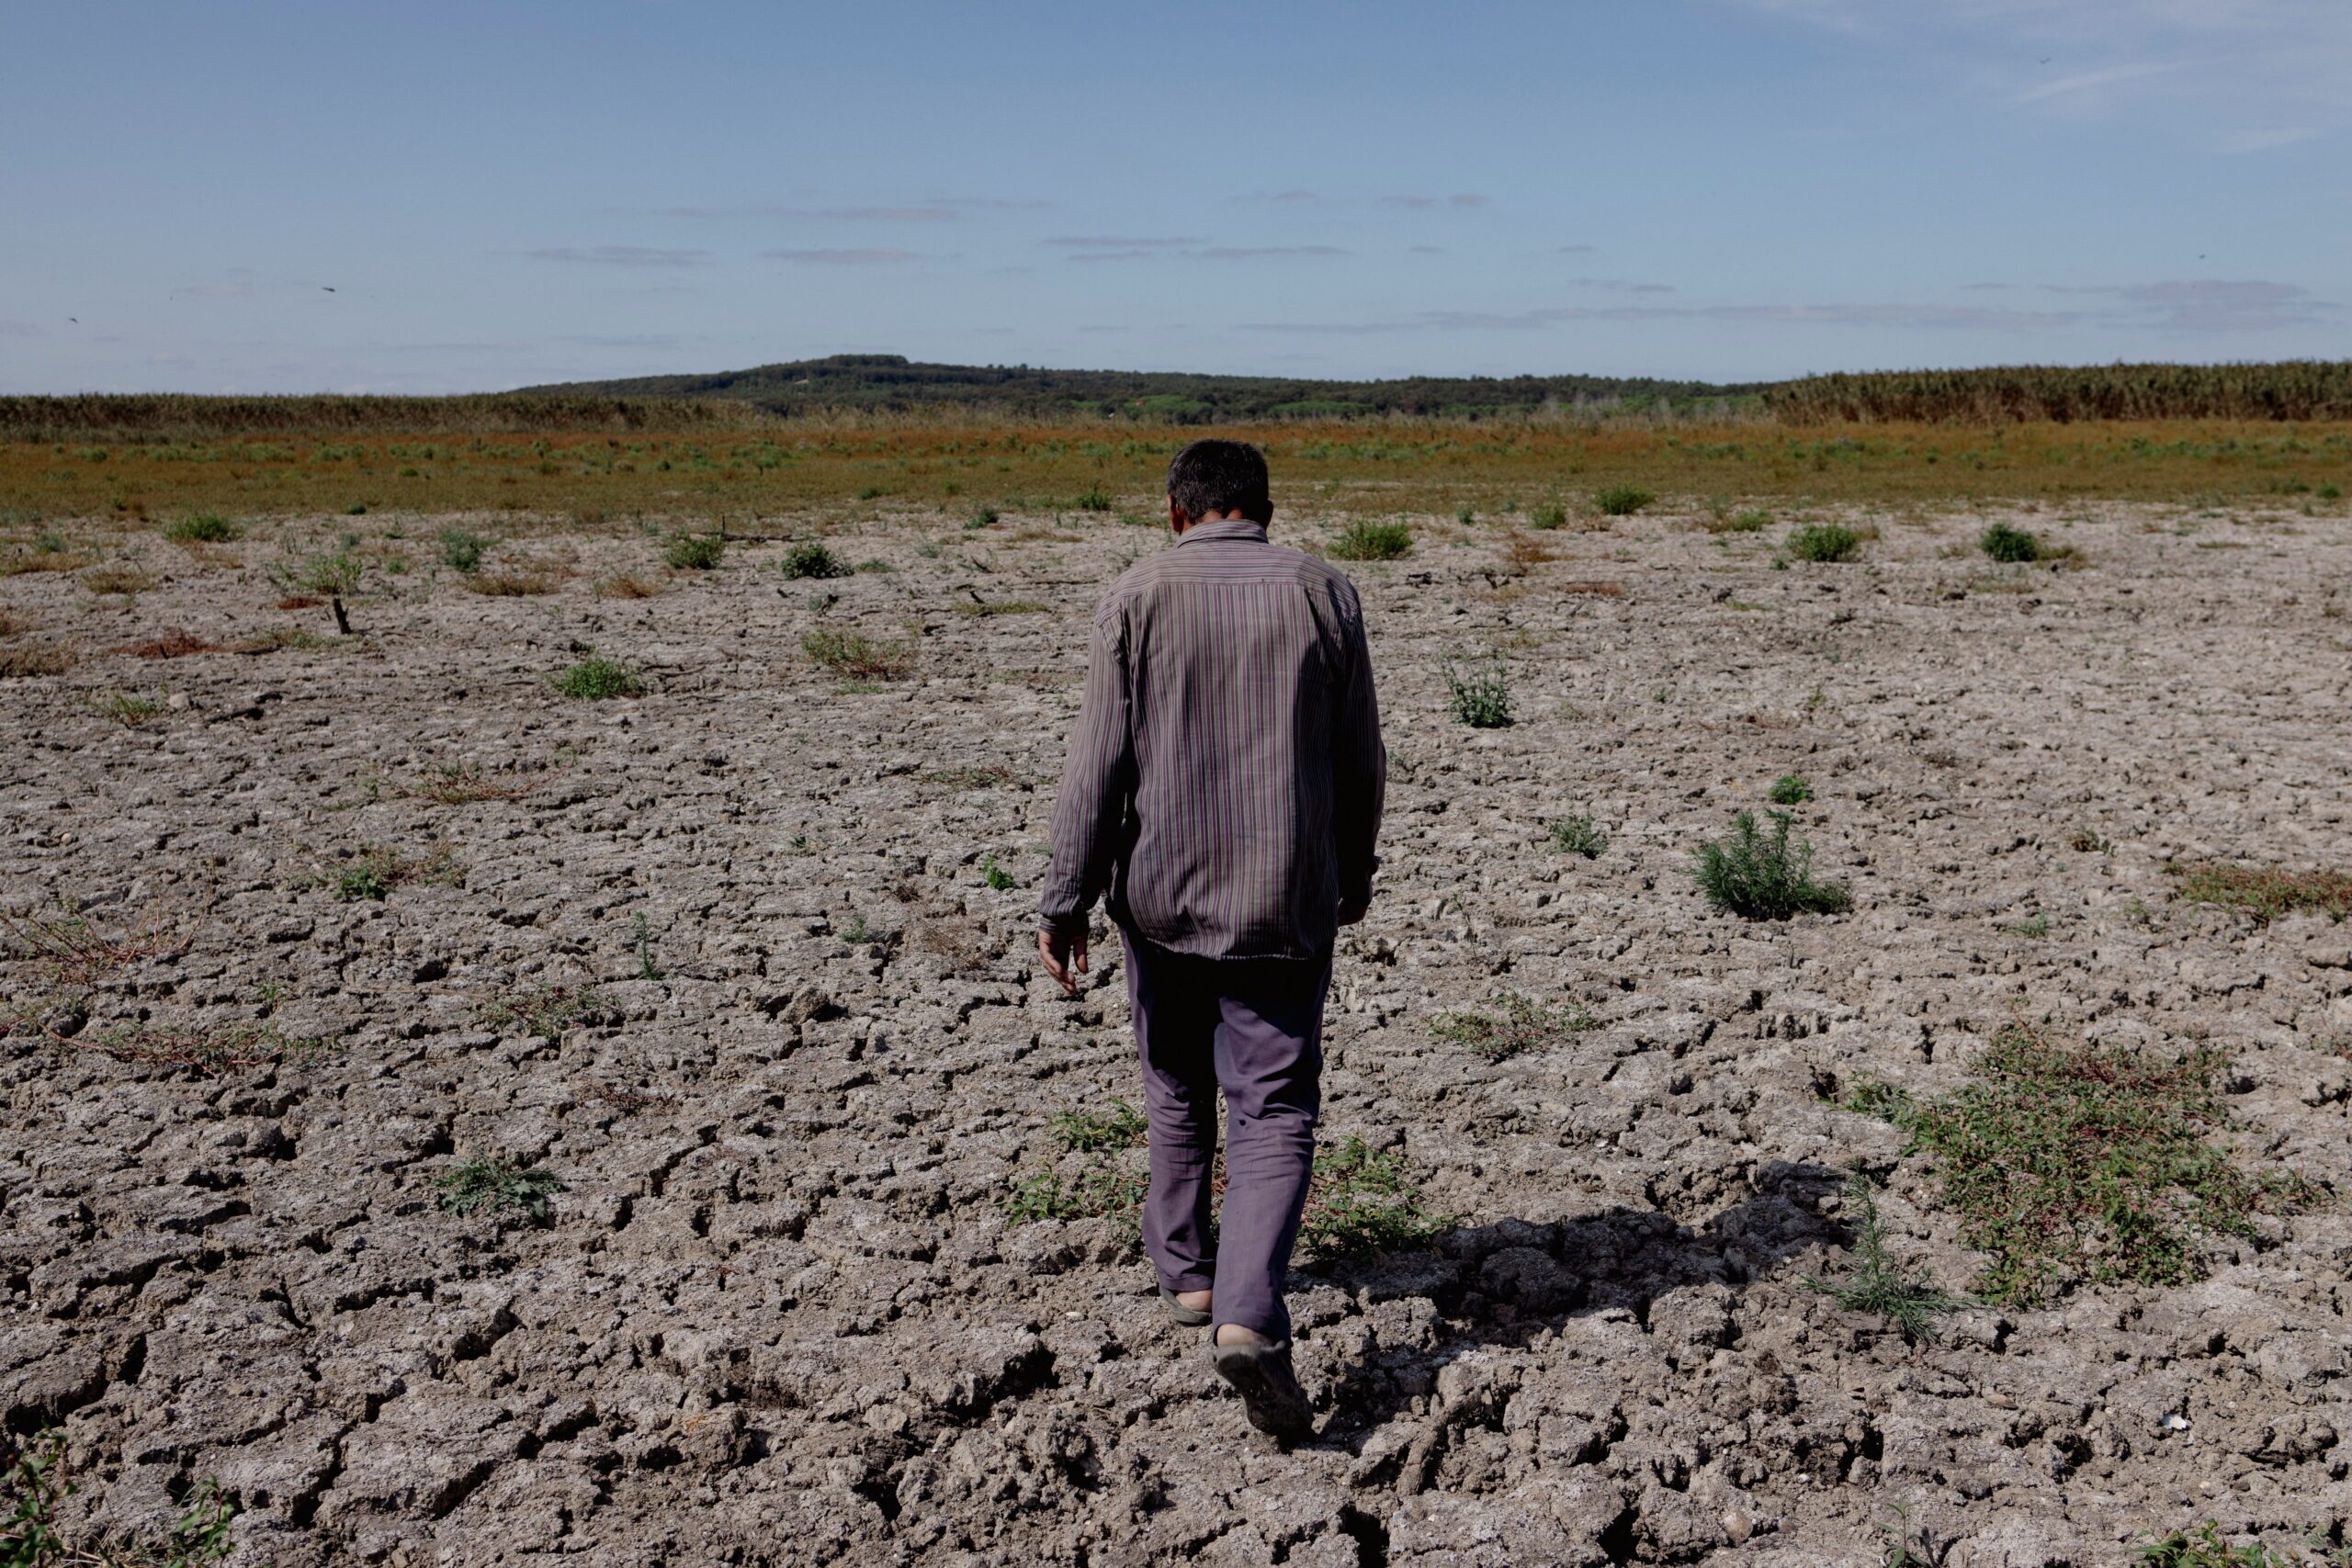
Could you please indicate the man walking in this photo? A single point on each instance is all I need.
(1224, 791)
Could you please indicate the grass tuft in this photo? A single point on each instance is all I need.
(1762, 875)
(1825, 542)
(597, 680)
(1621, 500)
(695, 552)
(202, 528)
(2003, 543)
(543, 1012)
(1789, 790)
(2072, 1162)
(1364, 539)
(1083, 1131)
(1878, 1285)
(2265, 892)
(1361, 1204)
(1518, 1025)
(859, 657)
(812, 559)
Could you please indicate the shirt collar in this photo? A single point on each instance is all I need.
(1230, 529)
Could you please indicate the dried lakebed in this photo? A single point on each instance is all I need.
(727, 961)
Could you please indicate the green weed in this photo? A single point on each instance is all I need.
(494, 1183)
(1519, 1024)
(859, 657)
(1086, 1132)
(1620, 500)
(1480, 695)
(1364, 539)
(1577, 834)
(697, 552)
(1825, 542)
(1360, 1203)
(1551, 514)
(2068, 1161)
(2003, 543)
(2266, 893)
(1789, 790)
(542, 1011)
(599, 680)
(202, 528)
(461, 549)
(814, 560)
(1762, 875)
(1877, 1284)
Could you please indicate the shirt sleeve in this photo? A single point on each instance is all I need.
(1359, 766)
(1097, 781)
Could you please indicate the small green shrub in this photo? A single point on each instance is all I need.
(1761, 876)
(2004, 543)
(812, 559)
(997, 879)
(1551, 514)
(1789, 790)
(1878, 1285)
(1480, 695)
(1752, 522)
(202, 528)
(1367, 541)
(1620, 500)
(1825, 542)
(2204, 1548)
(1465, 515)
(595, 679)
(1578, 834)
(1093, 498)
(461, 549)
(985, 517)
(695, 552)
(494, 1183)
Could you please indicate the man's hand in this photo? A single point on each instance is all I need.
(1062, 954)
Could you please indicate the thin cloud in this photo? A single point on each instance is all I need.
(1956, 317)
(1116, 242)
(619, 255)
(1624, 286)
(2225, 306)
(628, 340)
(872, 255)
(1461, 200)
(2092, 81)
(1251, 253)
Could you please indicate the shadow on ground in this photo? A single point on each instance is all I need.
(1504, 1283)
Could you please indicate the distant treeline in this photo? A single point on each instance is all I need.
(150, 416)
(2297, 389)
(886, 388)
(889, 383)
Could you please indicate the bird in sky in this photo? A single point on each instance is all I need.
(328, 286)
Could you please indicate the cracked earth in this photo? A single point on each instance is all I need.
(777, 1312)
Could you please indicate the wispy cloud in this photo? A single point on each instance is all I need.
(1573, 250)
(2093, 81)
(627, 340)
(870, 255)
(1957, 316)
(930, 210)
(1251, 253)
(2214, 305)
(1116, 242)
(619, 255)
(1624, 286)
(1460, 200)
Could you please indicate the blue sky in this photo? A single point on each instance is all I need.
(435, 196)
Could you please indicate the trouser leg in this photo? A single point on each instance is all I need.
(1175, 1022)
(1269, 1057)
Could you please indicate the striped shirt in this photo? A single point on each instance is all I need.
(1225, 783)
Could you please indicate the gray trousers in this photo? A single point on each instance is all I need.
(1252, 1027)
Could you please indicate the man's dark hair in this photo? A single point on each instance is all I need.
(1221, 475)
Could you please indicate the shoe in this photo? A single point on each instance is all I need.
(1187, 1317)
(1270, 1393)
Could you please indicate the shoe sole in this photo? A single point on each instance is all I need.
(1271, 1409)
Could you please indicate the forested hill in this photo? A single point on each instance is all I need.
(888, 381)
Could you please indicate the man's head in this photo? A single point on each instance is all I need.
(1219, 479)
